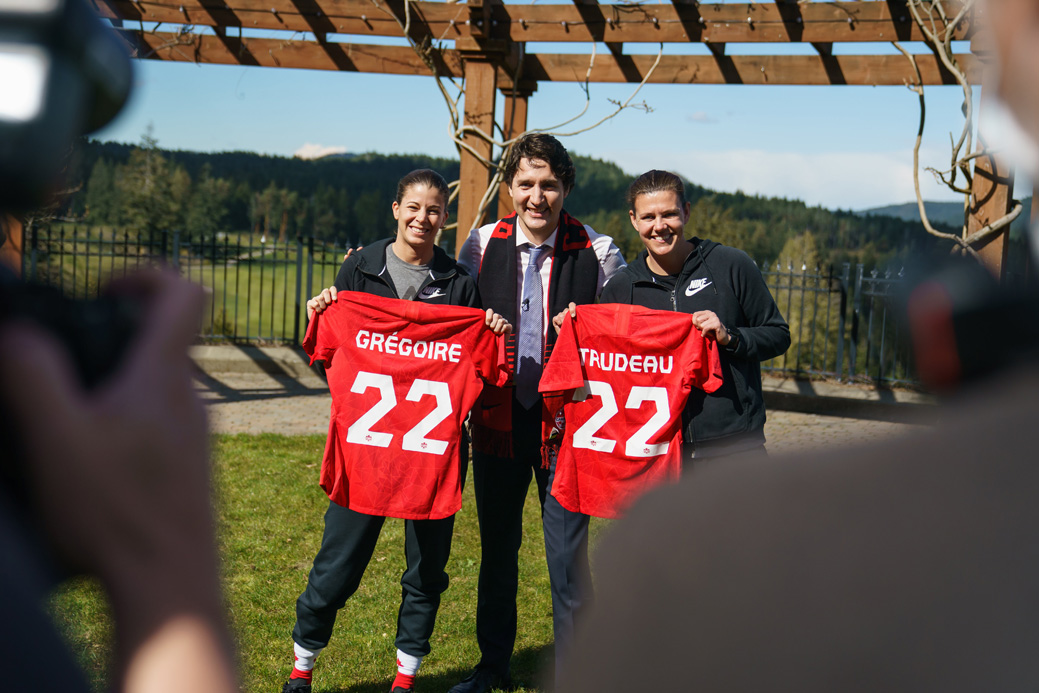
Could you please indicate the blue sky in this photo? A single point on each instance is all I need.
(839, 147)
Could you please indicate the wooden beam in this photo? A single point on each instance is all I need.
(514, 123)
(872, 70)
(473, 175)
(719, 23)
(783, 22)
(540, 67)
(359, 17)
(392, 60)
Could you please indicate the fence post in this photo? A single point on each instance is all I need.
(842, 281)
(856, 310)
(176, 251)
(310, 268)
(33, 253)
(299, 287)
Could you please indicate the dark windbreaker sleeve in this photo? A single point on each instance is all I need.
(766, 334)
(470, 293)
(617, 289)
(345, 278)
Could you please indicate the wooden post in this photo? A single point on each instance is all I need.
(993, 184)
(14, 246)
(515, 122)
(991, 198)
(474, 177)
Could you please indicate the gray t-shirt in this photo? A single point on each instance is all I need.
(407, 278)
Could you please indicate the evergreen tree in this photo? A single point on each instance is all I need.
(180, 196)
(144, 188)
(102, 197)
(208, 206)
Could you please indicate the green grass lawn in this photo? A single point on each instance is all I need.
(270, 512)
(252, 290)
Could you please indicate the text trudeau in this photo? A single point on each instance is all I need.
(633, 363)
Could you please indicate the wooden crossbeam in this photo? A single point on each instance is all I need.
(681, 69)
(392, 60)
(745, 69)
(679, 22)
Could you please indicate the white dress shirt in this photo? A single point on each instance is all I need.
(471, 256)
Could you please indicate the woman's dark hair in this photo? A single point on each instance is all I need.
(546, 148)
(656, 181)
(423, 176)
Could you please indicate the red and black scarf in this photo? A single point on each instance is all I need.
(574, 278)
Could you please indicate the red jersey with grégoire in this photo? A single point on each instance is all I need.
(628, 371)
(403, 376)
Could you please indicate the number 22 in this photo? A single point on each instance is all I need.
(637, 445)
(415, 439)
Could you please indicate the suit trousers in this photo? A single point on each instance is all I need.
(501, 487)
(346, 549)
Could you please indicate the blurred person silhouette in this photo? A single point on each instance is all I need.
(110, 479)
(909, 564)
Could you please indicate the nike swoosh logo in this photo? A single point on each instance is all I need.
(692, 290)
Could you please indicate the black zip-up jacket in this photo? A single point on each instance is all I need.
(446, 284)
(724, 280)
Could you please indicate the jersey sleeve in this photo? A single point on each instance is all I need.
(488, 355)
(322, 340)
(564, 370)
(704, 362)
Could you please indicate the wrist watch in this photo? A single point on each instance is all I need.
(734, 338)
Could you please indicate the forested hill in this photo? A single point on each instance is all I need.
(347, 199)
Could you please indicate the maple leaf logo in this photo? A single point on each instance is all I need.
(368, 438)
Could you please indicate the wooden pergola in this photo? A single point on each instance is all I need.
(484, 42)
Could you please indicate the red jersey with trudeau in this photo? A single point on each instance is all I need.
(627, 372)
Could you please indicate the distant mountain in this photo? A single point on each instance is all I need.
(948, 213)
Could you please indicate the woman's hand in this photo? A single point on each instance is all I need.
(320, 302)
(710, 325)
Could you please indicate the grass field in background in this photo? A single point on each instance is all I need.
(249, 289)
(270, 512)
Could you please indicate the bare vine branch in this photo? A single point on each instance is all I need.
(938, 29)
(459, 131)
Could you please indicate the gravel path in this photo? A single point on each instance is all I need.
(259, 403)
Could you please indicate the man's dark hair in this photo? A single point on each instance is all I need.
(546, 148)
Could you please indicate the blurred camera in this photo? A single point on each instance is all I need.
(63, 74)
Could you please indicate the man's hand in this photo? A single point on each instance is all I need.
(557, 320)
(496, 323)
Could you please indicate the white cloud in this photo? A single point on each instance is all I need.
(316, 151)
(836, 180)
(701, 117)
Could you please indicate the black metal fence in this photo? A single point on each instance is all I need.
(257, 287)
(844, 324)
(841, 320)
